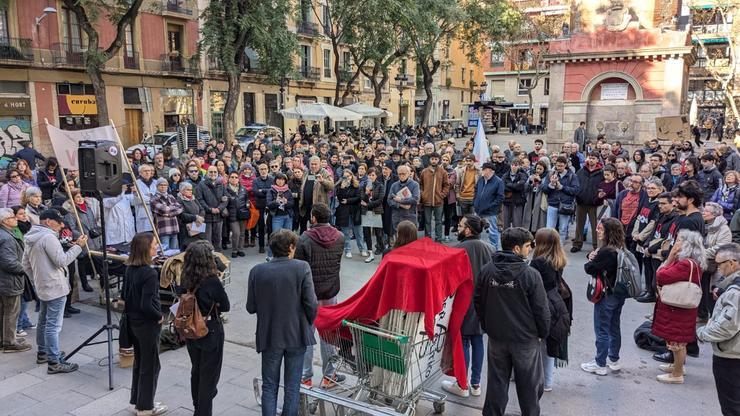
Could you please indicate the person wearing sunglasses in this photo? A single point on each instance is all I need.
(12, 191)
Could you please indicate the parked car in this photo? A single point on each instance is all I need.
(154, 144)
(246, 135)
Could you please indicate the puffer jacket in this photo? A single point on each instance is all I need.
(350, 209)
(261, 187)
(723, 328)
(12, 277)
(211, 194)
(588, 184)
(434, 185)
(728, 198)
(671, 323)
(322, 247)
(514, 188)
(238, 203)
(45, 261)
(10, 194)
(374, 198)
(718, 234)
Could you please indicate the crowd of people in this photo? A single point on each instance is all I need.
(301, 202)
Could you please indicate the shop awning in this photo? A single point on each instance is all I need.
(706, 41)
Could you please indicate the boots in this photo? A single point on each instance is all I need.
(85, 284)
(251, 240)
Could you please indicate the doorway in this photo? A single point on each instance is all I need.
(134, 127)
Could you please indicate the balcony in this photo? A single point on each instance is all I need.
(131, 60)
(714, 28)
(308, 73)
(307, 29)
(16, 49)
(177, 6)
(178, 64)
(68, 54)
(345, 75)
(214, 64)
(712, 63)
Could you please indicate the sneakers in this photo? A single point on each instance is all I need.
(475, 390)
(21, 333)
(328, 382)
(547, 389)
(364, 253)
(17, 347)
(669, 379)
(158, 409)
(63, 367)
(348, 254)
(592, 367)
(370, 258)
(613, 365)
(668, 368)
(41, 358)
(307, 383)
(451, 386)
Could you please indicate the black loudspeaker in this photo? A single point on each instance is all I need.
(100, 168)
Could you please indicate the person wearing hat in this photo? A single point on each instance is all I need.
(434, 187)
(12, 281)
(45, 261)
(175, 178)
(166, 208)
(489, 194)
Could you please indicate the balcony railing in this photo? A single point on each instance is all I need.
(68, 54)
(214, 64)
(177, 6)
(309, 73)
(179, 64)
(131, 60)
(718, 28)
(712, 63)
(345, 75)
(307, 28)
(16, 49)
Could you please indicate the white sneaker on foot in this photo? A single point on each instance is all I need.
(548, 389)
(370, 258)
(592, 367)
(475, 390)
(451, 386)
(348, 254)
(613, 365)
(364, 253)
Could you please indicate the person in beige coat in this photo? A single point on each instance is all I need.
(718, 234)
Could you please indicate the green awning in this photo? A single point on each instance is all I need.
(712, 40)
(710, 6)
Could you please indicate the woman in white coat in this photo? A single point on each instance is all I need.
(147, 185)
(118, 218)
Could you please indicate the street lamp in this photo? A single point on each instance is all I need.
(284, 82)
(47, 11)
(483, 87)
(401, 81)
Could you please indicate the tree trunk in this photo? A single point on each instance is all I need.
(232, 100)
(96, 78)
(337, 86)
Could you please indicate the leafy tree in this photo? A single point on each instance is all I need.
(121, 14)
(232, 26)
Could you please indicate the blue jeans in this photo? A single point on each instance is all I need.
(494, 236)
(607, 315)
(548, 364)
(51, 316)
(279, 222)
(169, 242)
(271, 361)
(476, 341)
(23, 321)
(359, 237)
(559, 222)
(327, 352)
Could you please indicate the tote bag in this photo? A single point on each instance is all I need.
(684, 295)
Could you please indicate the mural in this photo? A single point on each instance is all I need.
(13, 131)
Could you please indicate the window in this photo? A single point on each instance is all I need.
(471, 75)
(13, 87)
(129, 57)
(131, 96)
(326, 20)
(346, 61)
(72, 33)
(462, 96)
(367, 84)
(462, 76)
(4, 32)
(75, 89)
(403, 66)
(546, 85)
(327, 63)
(305, 59)
(524, 86)
(497, 58)
(272, 116)
(249, 108)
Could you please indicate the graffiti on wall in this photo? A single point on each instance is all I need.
(13, 131)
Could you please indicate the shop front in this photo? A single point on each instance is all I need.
(77, 112)
(177, 106)
(217, 104)
(15, 123)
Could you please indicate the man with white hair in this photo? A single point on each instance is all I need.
(12, 281)
(147, 188)
(403, 198)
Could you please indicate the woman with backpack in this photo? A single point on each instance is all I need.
(677, 325)
(607, 299)
(201, 277)
(550, 260)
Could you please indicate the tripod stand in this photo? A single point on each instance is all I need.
(109, 326)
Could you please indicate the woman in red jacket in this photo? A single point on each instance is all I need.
(677, 325)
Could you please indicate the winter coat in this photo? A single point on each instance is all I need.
(190, 209)
(642, 202)
(535, 217)
(12, 277)
(274, 206)
(47, 182)
(261, 187)
(90, 219)
(566, 194)
(322, 247)
(143, 204)
(709, 181)
(118, 219)
(211, 194)
(588, 181)
(728, 198)
(413, 200)
(561, 310)
(723, 327)
(718, 234)
(670, 323)
(349, 210)
(460, 177)
(166, 209)
(480, 253)
(489, 194)
(512, 302)
(434, 186)
(238, 204)
(10, 194)
(45, 261)
(374, 198)
(514, 188)
(452, 180)
(322, 186)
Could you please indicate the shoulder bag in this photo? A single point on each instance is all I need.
(684, 295)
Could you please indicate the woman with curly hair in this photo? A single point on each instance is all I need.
(201, 276)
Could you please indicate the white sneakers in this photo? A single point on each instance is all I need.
(158, 409)
(474, 390)
(370, 258)
(348, 254)
(592, 367)
(364, 253)
(613, 365)
(451, 386)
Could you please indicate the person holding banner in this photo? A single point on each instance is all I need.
(147, 187)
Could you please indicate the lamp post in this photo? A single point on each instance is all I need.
(284, 82)
(401, 81)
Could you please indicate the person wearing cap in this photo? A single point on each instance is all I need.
(45, 261)
(166, 209)
(467, 178)
(489, 195)
(434, 186)
(12, 281)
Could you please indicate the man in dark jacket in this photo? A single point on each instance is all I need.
(489, 194)
(261, 187)
(281, 293)
(479, 254)
(12, 281)
(561, 188)
(322, 246)
(514, 197)
(211, 195)
(389, 178)
(589, 178)
(512, 305)
(29, 154)
(709, 177)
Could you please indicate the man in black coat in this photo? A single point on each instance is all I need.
(512, 305)
(589, 177)
(322, 247)
(261, 187)
(514, 198)
(211, 195)
(281, 293)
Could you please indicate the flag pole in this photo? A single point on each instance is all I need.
(136, 187)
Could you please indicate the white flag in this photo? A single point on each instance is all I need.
(480, 147)
(66, 142)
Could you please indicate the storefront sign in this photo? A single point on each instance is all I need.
(420, 103)
(614, 91)
(15, 106)
(77, 105)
